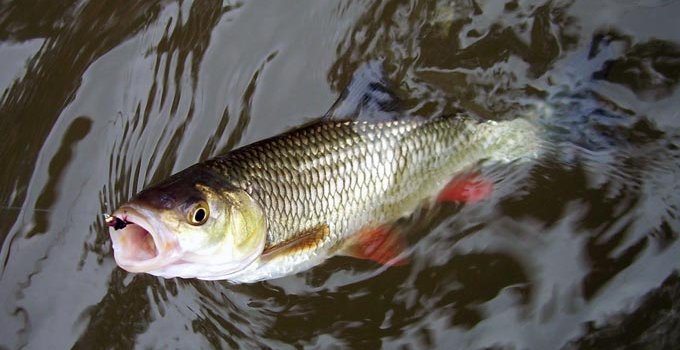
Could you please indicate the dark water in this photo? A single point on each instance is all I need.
(579, 250)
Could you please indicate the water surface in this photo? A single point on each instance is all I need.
(576, 250)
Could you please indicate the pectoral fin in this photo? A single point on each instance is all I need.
(307, 241)
(380, 244)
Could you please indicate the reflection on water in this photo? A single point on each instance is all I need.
(651, 69)
(578, 250)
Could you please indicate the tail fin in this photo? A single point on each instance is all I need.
(513, 140)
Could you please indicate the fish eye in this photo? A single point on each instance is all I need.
(198, 214)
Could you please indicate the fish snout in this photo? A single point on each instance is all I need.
(138, 245)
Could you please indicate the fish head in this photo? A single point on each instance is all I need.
(193, 225)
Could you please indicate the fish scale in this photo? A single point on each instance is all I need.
(350, 175)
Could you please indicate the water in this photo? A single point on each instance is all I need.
(578, 250)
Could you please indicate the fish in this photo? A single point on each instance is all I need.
(285, 204)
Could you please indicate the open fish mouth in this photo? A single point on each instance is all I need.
(140, 245)
(138, 242)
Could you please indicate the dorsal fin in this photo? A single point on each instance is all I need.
(368, 97)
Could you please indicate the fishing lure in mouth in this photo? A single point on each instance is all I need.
(115, 222)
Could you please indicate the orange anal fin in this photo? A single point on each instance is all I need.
(379, 244)
(468, 189)
(306, 241)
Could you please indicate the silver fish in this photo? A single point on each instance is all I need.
(285, 204)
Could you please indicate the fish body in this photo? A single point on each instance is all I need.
(285, 204)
